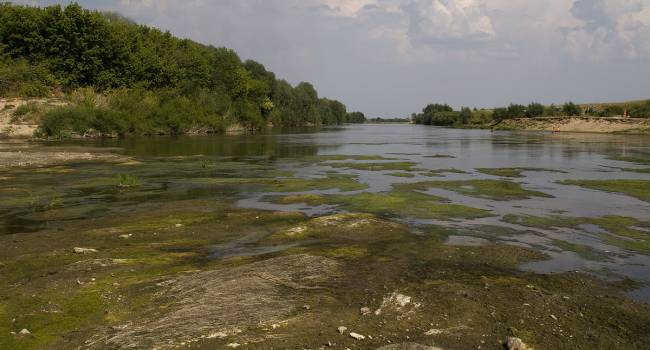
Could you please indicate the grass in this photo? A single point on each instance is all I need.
(309, 198)
(128, 181)
(399, 174)
(499, 190)
(639, 189)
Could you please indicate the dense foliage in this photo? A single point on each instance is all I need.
(149, 80)
(444, 115)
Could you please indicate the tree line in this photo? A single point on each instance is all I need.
(445, 115)
(144, 80)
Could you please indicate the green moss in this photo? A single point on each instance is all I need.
(398, 174)
(499, 190)
(639, 189)
(512, 172)
(404, 166)
(406, 204)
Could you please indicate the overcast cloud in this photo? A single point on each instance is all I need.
(391, 57)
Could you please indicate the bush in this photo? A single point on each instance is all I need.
(641, 110)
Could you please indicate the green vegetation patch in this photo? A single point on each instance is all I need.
(406, 204)
(308, 198)
(499, 190)
(624, 232)
(513, 172)
(404, 166)
(584, 251)
(343, 182)
(639, 189)
(399, 174)
(440, 172)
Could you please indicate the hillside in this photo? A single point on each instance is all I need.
(123, 78)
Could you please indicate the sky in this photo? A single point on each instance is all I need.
(389, 58)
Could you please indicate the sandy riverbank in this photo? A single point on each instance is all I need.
(578, 124)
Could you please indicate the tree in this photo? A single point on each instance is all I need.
(465, 116)
(534, 110)
(516, 111)
(356, 118)
(571, 109)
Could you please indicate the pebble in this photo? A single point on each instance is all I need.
(357, 336)
(233, 345)
(306, 307)
(342, 329)
(365, 310)
(24, 332)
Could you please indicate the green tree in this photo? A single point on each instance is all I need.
(534, 110)
(571, 109)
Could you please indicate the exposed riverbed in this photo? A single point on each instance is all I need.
(453, 238)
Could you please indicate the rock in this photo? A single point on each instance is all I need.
(233, 345)
(306, 307)
(179, 225)
(125, 236)
(357, 336)
(342, 329)
(24, 332)
(365, 310)
(513, 343)
(79, 250)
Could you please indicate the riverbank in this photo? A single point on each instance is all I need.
(578, 124)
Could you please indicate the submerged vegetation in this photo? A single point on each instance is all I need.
(635, 188)
(140, 80)
(491, 189)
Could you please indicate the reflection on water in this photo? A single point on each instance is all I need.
(217, 167)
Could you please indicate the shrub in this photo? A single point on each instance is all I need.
(571, 109)
(534, 110)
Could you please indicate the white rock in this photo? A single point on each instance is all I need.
(24, 332)
(365, 310)
(79, 250)
(357, 336)
(513, 343)
(342, 329)
(233, 345)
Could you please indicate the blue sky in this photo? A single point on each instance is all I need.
(391, 57)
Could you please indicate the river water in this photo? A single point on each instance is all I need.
(174, 168)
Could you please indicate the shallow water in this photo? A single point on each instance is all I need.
(232, 167)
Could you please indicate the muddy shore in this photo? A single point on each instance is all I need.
(578, 124)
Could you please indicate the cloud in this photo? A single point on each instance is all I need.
(609, 29)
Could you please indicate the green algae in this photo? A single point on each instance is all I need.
(339, 157)
(403, 166)
(513, 172)
(584, 251)
(343, 182)
(441, 172)
(439, 156)
(308, 198)
(639, 189)
(406, 204)
(398, 174)
(499, 190)
(623, 232)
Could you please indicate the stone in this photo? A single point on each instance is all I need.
(342, 329)
(79, 250)
(24, 332)
(357, 336)
(513, 343)
(365, 310)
